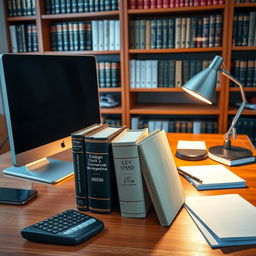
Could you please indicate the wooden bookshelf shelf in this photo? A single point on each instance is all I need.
(81, 52)
(246, 112)
(245, 5)
(118, 89)
(117, 110)
(246, 89)
(94, 15)
(244, 48)
(173, 50)
(22, 18)
(160, 11)
(160, 90)
(174, 109)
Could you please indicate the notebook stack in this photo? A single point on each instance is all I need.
(224, 220)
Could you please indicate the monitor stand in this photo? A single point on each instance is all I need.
(46, 170)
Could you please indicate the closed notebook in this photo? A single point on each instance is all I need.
(224, 220)
(161, 176)
(213, 177)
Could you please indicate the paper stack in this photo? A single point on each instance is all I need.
(224, 220)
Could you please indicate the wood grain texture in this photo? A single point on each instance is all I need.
(122, 236)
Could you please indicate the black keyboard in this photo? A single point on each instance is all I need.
(69, 228)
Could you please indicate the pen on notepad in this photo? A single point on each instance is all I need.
(189, 175)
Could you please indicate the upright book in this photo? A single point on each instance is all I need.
(101, 181)
(133, 195)
(79, 165)
(161, 176)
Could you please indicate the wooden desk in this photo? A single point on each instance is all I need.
(122, 236)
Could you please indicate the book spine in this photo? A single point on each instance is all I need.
(53, 34)
(100, 176)
(131, 189)
(206, 26)
(178, 33)
(142, 34)
(171, 33)
(78, 151)
(29, 37)
(245, 30)
(153, 34)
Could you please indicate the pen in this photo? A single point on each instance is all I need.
(189, 175)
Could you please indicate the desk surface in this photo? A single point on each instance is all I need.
(122, 236)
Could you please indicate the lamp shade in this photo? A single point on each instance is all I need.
(203, 84)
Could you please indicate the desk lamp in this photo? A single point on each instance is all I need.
(202, 86)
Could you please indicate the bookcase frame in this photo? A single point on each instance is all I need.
(128, 96)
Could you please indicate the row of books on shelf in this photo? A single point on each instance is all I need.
(183, 126)
(72, 6)
(244, 29)
(23, 38)
(97, 35)
(178, 32)
(21, 7)
(114, 165)
(112, 121)
(164, 73)
(247, 126)
(152, 4)
(245, 72)
(108, 74)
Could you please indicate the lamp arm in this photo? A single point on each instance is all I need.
(227, 142)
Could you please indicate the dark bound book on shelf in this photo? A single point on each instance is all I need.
(101, 181)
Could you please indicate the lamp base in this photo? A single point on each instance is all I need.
(232, 156)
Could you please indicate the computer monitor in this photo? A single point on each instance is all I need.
(46, 98)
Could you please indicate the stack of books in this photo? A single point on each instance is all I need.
(24, 38)
(96, 35)
(196, 126)
(108, 74)
(177, 32)
(21, 8)
(71, 6)
(224, 220)
(152, 4)
(164, 73)
(245, 72)
(244, 29)
(107, 159)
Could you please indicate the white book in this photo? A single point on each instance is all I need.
(188, 32)
(95, 35)
(148, 74)
(135, 122)
(165, 125)
(106, 35)
(154, 73)
(212, 176)
(13, 36)
(227, 219)
(117, 35)
(101, 35)
(112, 35)
(143, 73)
(133, 195)
(151, 125)
(161, 176)
(158, 125)
(132, 73)
(196, 127)
(138, 74)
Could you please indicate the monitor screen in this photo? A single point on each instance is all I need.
(48, 97)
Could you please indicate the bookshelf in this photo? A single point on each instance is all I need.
(147, 101)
